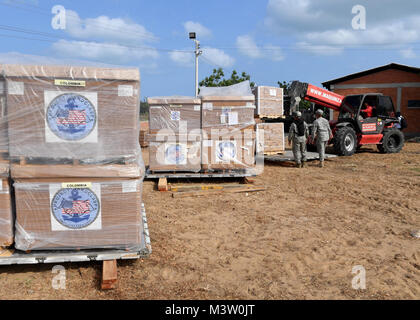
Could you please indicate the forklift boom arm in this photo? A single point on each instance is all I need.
(314, 94)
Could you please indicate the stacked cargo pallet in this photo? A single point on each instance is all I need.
(213, 133)
(76, 163)
(269, 114)
(228, 128)
(6, 213)
(174, 134)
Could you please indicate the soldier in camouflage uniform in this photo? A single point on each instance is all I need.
(298, 134)
(321, 133)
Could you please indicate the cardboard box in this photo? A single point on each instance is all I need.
(270, 138)
(269, 101)
(77, 214)
(73, 112)
(229, 151)
(180, 114)
(4, 141)
(175, 153)
(224, 112)
(6, 212)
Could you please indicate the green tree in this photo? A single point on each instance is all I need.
(217, 79)
(144, 110)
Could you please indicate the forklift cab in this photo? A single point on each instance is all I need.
(382, 114)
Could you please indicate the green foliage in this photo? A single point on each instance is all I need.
(144, 109)
(217, 79)
(303, 105)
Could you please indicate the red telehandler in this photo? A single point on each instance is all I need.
(355, 127)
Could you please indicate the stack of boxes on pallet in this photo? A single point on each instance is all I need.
(6, 213)
(174, 134)
(228, 128)
(75, 157)
(212, 133)
(269, 113)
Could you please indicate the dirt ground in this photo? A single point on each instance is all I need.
(299, 239)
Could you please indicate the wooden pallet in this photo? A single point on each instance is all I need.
(240, 173)
(271, 116)
(272, 153)
(164, 186)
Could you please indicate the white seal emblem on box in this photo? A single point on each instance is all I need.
(75, 208)
(71, 116)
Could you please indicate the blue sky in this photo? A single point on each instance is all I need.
(307, 40)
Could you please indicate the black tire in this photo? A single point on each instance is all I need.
(392, 142)
(345, 141)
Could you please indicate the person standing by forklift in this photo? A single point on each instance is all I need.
(298, 134)
(321, 133)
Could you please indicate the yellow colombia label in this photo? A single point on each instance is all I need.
(76, 185)
(70, 83)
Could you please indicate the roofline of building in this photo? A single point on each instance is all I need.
(397, 66)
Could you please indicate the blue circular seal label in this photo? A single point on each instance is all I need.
(75, 208)
(226, 151)
(71, 116)
(174, 154)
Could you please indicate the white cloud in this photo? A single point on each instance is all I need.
(218, 57)
(323, 50)
(408, 53)
(198, 28)
(274, 53)
(102, 51)
(324, 26)
(182, 58)
(321, 15)
(247, 46)
(106, 28)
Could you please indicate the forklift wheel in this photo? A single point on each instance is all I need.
(392, 142)
(345, 141)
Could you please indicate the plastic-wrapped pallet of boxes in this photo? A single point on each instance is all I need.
(270, 138)
(228, 127)
(174, 134)
(269, 101)
(6, 213)
(77, 130)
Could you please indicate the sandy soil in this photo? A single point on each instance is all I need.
(299, 239)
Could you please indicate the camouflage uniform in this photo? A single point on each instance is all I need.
(299, 142)
(321, 132)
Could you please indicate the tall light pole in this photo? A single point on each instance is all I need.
(197, 53)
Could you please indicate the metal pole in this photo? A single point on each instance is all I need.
(196, 68)
(197, 52)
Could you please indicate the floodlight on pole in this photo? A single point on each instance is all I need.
(197, 53)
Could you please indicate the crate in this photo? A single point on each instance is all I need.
(227, 113)
(270, 138)
(72, 112)
(6, 212)
(179, 114)
(175, 153)
(69, 213)
(269, 102)
(233, 150)
(4, 140)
